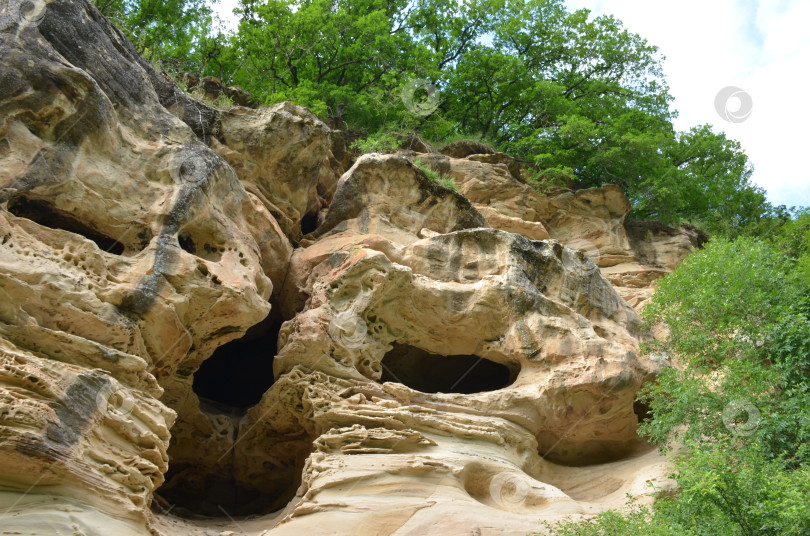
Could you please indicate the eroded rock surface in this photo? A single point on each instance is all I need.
(130, 252)
(631, 255)
(204, 315)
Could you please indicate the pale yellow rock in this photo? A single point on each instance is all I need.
(533, 230)
(278, 153)
(129, 252)
(448, 362)
(632, 255)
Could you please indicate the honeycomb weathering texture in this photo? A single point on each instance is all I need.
(216, 321)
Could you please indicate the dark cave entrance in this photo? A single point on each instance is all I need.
(432, 373)
(189, 494)
(238, 373)
(309, 223)
(206, 476)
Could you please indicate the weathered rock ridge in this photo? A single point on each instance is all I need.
(220, 320)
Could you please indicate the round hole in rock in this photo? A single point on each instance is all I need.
(238, 373)
(432, 373)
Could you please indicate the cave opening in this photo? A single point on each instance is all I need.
(207, 477)
(191, 493)
(47, 215)
(432, 373)
(238, 373)
(309, 223)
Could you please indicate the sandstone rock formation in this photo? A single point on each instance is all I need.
(212, 321)
(631, 255)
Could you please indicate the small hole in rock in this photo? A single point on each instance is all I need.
(186, 242)
(194, 240)
(238, 373)
(432, 373)
(309, 223)
(642, 411)
(47, 215)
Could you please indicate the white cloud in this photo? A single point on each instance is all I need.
(761, 46)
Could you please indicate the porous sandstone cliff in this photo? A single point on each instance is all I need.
(217, 321)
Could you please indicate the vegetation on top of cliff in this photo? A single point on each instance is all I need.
(175, 30)
(580, 100)
(436, 177)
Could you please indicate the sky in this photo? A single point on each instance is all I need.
(759, 47)
(224, 8)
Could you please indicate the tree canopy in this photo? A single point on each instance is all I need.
(162, 28)
(579, 99)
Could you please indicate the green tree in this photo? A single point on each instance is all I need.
(714, 174)
(161, 29)
(738, 327)
(580, 98)
(343, 59)
(793, 238)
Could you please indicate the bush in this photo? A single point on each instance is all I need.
(737, 399)
(381, 142)
(638, 521)
(437, 178)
